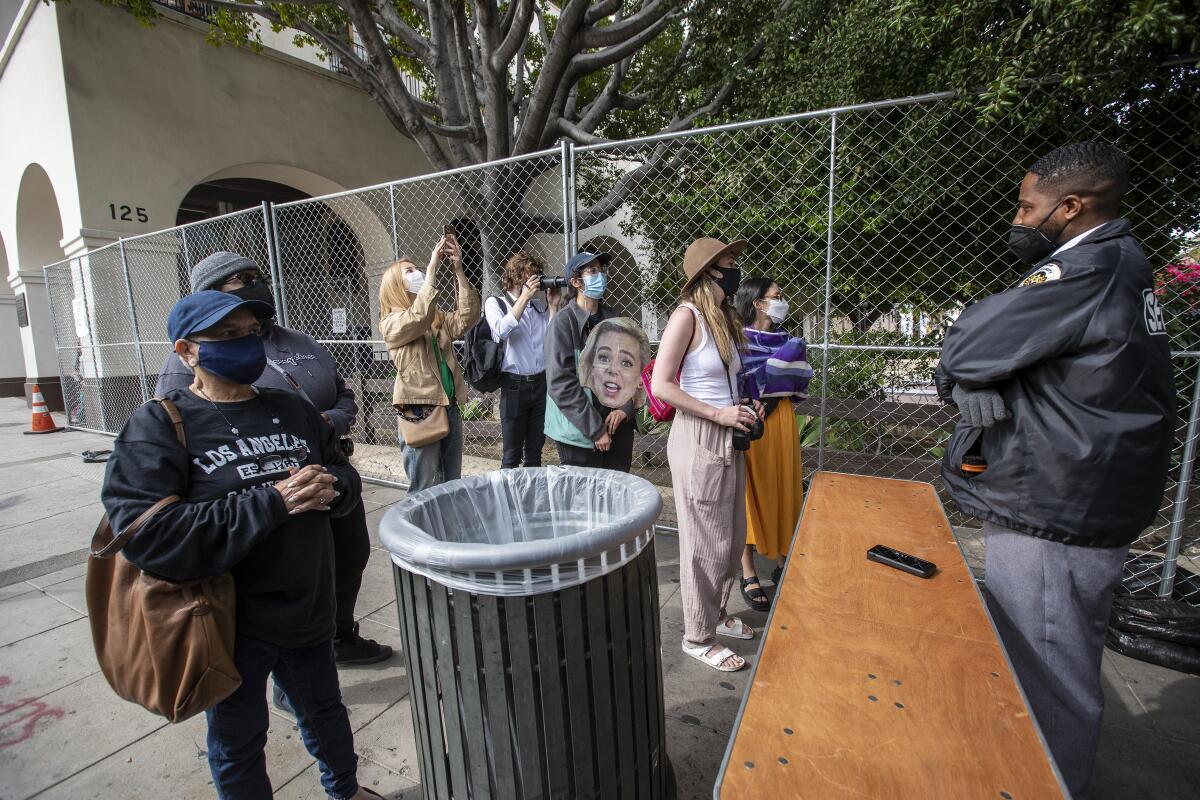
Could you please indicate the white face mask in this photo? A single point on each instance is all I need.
(413, 281)
(777, 310)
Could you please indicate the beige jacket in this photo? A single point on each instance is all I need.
(407, 333)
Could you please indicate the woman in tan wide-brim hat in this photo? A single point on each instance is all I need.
(696, 372)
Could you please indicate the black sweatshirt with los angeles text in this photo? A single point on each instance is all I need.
(231, 518)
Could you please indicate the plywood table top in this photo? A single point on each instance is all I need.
(873, 683)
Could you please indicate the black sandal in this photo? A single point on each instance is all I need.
(756, 598)
(776, 574)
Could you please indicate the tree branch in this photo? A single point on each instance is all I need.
(605, 8)
(587, 63)
(515, 36)
(394, 24)
(549, 93)
(623, 29)
(578, 134)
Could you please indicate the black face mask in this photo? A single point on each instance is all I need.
(259, 291)
(1031, 245)
(730, 280)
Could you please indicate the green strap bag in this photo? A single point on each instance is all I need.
(444, 369)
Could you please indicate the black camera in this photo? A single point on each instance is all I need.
(742, 439)
(548, 283)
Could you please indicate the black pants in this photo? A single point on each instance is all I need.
(351, 551)
(523, 419)
(619, 456)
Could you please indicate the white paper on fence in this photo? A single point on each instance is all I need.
(523, 531)
(339, 320)
(79, 311)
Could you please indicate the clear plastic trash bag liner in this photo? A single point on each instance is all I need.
(522, 531)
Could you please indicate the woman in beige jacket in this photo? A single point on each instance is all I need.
(420, 339)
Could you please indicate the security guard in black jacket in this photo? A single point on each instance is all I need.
(1064, 387)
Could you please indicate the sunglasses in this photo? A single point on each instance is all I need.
(281, 461)
(247, 278)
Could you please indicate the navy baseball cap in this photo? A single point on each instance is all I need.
(201, 310)
(582, 259)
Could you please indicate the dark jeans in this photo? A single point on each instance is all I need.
(237, 726)
(619, 456)
(523, 419)
(351, 550)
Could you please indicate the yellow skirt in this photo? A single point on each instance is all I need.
(774, 484)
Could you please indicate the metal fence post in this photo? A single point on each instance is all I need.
(271, 226)
(573, 207)
(833, 119)
(1179, 511)
(564, 167)
(133, 325)
(395, 233)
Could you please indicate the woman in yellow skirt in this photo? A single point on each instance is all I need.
(776, 370)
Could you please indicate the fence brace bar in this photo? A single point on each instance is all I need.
(133, 325)
(573, 234)
(395, 233)
(833, 119)
(271, 230)
(1179, 511)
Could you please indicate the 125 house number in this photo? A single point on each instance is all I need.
(127, 214)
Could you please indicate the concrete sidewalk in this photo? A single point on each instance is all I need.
(64, 734)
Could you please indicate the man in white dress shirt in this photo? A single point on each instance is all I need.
(519, 320)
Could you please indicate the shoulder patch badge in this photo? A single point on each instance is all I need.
(1044, 274)
(1156, 322)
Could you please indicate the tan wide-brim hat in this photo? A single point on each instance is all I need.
(703, 253)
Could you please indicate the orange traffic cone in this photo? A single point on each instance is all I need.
(42, 421)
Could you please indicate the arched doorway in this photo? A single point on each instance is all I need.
(226, 195)
(12, 366)
(39, 232)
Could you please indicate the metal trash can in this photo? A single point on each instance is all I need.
(528, 602)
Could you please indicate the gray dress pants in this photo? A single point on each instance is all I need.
(1050, 602)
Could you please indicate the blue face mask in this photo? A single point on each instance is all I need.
(238, 360)
(594, 285)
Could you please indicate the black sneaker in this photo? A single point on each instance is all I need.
(355, 651)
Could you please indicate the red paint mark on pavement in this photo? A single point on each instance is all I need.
(18, 719)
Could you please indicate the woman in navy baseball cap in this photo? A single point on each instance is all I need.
(260, 475)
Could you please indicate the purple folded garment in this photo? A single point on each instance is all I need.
(775, 365)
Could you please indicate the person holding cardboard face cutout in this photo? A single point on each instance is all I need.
(612, 361)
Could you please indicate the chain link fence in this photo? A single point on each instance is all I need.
(879, 222)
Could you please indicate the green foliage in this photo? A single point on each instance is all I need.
(924, 193)
(476, 410)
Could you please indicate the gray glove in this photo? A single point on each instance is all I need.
(979, 408)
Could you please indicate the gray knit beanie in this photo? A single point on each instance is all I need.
(211, 272)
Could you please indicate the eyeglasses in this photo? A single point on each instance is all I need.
(247, 277)
(282, 460)
(600, 270)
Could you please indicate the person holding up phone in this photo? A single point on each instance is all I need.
(420, 339)
(520, 320)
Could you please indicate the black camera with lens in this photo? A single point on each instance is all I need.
(552, 282)
(742, 439)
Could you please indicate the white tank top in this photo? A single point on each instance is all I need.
(703, 375)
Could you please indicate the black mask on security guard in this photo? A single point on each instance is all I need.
(259, 291)
(1031, 245)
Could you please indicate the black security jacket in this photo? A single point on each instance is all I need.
(1078, 350)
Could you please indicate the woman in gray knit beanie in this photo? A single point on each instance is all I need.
(297, 362)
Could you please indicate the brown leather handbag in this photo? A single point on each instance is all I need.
(164, 645)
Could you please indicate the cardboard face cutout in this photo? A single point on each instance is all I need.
(612, 361)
